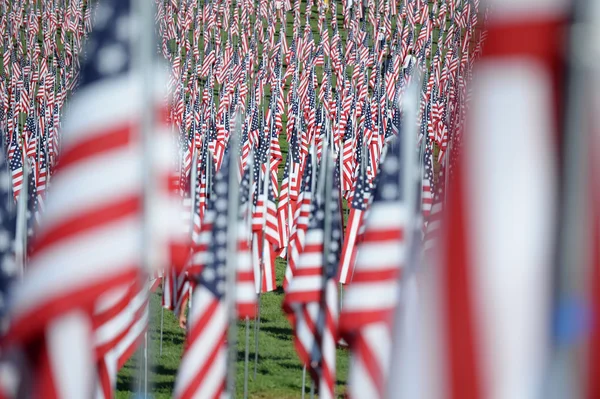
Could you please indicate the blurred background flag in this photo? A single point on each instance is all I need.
(484, 311)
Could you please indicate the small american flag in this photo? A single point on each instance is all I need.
(203, 366)
(370, 300)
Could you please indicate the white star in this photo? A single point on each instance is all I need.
(389, 191)
(221, 220)
(390, 165)
(221, 287)
(208, 274)
(111, 58)
(124, 26)
(221, 270)
(221, 205)
(103, 14)
(4, 240)
(9, 265)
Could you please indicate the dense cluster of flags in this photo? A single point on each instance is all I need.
(181, 178)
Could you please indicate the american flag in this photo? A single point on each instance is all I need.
(203, 366)
(370, 300)
(358, 209)
(16, 166)
(427, 187)
(300, 223)
(245, 296)
(90, 237)
(311, 297)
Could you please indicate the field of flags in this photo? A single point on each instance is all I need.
(423, 171)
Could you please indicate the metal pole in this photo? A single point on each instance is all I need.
(143, 68)
(233, 211)
(21, 228)
(247, 358)
(312, 389)
(257, 322)
(146, 363)
(303, 380)
(162, 319)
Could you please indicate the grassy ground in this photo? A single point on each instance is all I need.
(279, 371)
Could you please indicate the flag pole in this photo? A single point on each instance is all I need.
(246, 357)
(162, 320)
(257, 320)
(233, 211)
(303, 380)
(247, 346)
(144, 65)
(21, 228)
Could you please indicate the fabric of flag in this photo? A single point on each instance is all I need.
(369, 302)
(245, 295)
(427, 186)
(8, 220)
(16, 166)
(300, 225)
(120, 321)
(203, 366)
(90, 237)
(358, 208)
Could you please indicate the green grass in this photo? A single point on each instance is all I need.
(279, 372)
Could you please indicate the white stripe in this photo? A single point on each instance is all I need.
(99, 181)
(310, 260)
(373, 256)
(119, 323)
(387, 215)
(79, 262)
(305, 283)
(134, 333)
(71, 356)
(199, 351)
(114, 100)
(268, 272)
(351, 239)
(369, 296)
(518, 184)
(213, 379)
(359, 383)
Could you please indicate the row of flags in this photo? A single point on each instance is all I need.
(334, 94)
(452, 296)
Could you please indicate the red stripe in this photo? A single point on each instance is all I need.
(317, 248)
(110, 140)
(88, 220)
(45, 386)
(202, 322)
(543, 40)
(192, 389)
(353, 321)
(369, 276)
(101, 318)
(376, 235)
(375, 370)
(245, 276)
(109, 345)
(26, 325)
(126, 355)
(308, 271)
(104, 377)
(463, 366)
